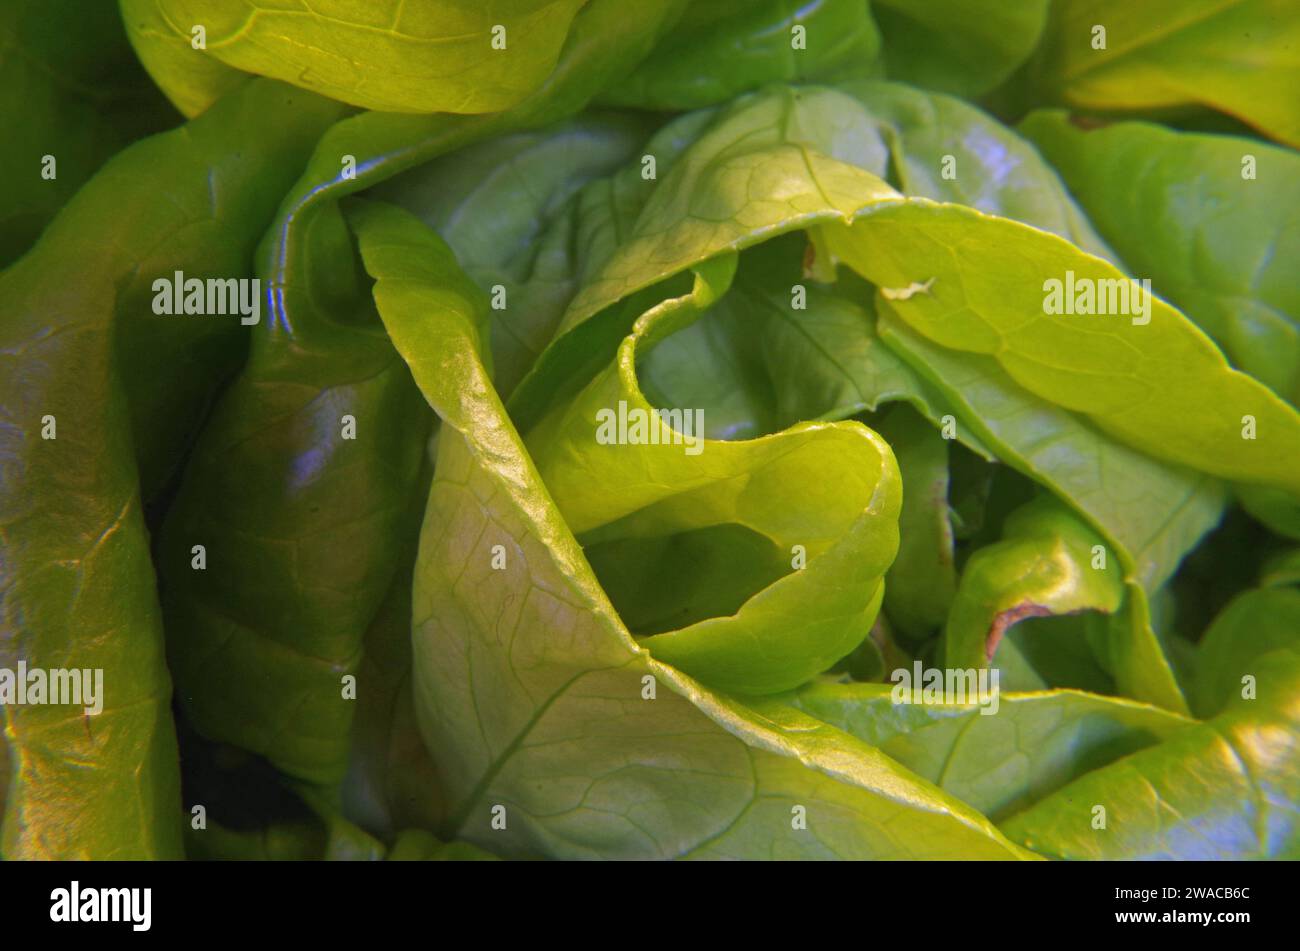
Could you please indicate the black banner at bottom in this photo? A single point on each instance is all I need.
(342, 900)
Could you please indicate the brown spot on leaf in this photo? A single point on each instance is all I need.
(1007, 618)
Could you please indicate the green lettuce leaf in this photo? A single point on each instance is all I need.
(70, 89)
(759, 42)
(1163, 55)
(763, 138)
(395, 56)
(1029, 746)
(508, 208)
(1277, 509)
(1221, 248)
(702, 208)
(1222, 789)
(531, 689)
(1151, 513)
(756, 364)
(258, 669)
(885, 128)
(366, 150)
(123, 388)
(1254, 623)
(944, 148)
(964, 47)
(398, 56)
(298, 488)
(1179, 209)
(687, 504)
(922, 581)
(1047, 564)
(392, 782)
(1103, 368)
